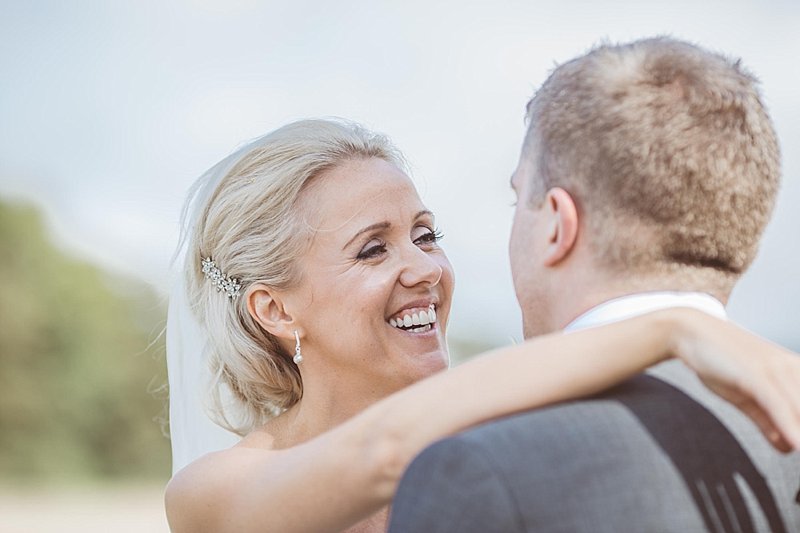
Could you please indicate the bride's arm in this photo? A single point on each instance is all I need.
(350, 472)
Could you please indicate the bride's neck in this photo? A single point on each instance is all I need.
(325, 406)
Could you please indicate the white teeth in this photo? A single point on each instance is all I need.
(423, 318)
(420, 318)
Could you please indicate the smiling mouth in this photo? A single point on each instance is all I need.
(415, 320)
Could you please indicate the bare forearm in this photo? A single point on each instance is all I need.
(539, 372)
(350, 472)
(366, 456)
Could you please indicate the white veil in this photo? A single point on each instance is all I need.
(192, 431)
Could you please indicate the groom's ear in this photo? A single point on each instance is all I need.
(562, 225)
(266, 306)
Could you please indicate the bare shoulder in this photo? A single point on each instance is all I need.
(199, 496)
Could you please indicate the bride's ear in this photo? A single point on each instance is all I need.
(267, 308)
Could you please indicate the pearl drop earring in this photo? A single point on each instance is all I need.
(298, 356)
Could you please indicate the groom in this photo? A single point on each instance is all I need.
(647, 176)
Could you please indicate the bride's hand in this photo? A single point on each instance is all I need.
(757, 376)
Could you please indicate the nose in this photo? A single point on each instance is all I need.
(420, 267)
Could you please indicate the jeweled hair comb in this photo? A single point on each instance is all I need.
(230, 286)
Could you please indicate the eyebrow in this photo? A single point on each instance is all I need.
(382, 226)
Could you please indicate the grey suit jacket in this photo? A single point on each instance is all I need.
(657, 454)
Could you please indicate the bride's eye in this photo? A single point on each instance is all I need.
(431, 236)
(371, 250)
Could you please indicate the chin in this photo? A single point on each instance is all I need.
(424, 365)
(416, 355)
(438, 363)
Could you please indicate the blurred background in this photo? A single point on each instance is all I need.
(110, 110)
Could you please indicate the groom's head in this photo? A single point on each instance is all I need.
(646, 166)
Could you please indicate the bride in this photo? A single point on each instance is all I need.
(316, 274)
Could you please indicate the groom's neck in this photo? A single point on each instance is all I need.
(592, 291)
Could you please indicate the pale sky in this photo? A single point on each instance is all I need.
(110, 110)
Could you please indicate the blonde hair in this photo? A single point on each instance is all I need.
(668, 149)
(246, 219)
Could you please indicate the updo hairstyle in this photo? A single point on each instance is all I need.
(246, 219)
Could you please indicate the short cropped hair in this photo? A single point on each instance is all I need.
(668, 150)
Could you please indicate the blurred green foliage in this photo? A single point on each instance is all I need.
(82, 366)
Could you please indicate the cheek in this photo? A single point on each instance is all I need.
(448, 275)
(522, 270)
(521, 243)
(347, 301)
(514, 253)
(446, 287)
(513, 240)
(366, 292)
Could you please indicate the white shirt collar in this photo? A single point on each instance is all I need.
(639, 304)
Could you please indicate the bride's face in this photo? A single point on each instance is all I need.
(373, 260)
